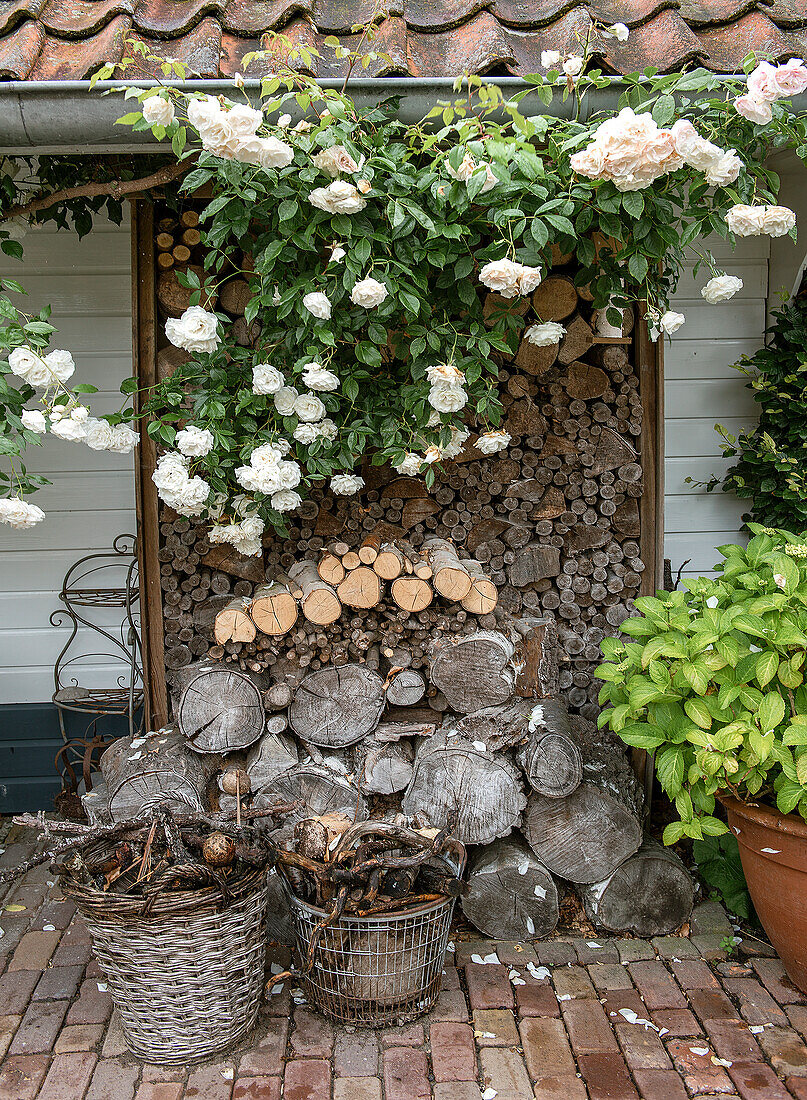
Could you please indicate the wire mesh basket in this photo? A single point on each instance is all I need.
(187, 979)
(375, 971)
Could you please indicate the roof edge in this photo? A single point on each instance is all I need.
(54, 116)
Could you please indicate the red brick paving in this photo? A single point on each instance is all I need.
(722, 1028)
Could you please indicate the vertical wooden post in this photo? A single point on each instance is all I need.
(144, 345)
(650, 367)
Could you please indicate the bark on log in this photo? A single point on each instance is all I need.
(650, 894)
(337, 706)
(511, 894)
(536, 659)
(274, 754)
(473, 671)
(550, 758)
(483, 595)
(477, 793)
(583, 837)
(451, 579)
(273, 609)
(220, 710)
(534, 563)
(142, 772)
(319, 602)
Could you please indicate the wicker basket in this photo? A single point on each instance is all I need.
(375, 971)
(187, 979)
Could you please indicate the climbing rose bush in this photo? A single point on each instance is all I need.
(372, 246)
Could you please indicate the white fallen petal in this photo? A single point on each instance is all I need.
(480, 746)
(48, 927)
(102, 987)
(591, 943)
(772, 851)
(491, 959)
(539, 891)
(275, 969)
(489, 1094)
(722, 1062)
(538, 972)
(530, 926)
(523, 867)
(513, 973)
(701, 1051)
(757, 1029)
(228, 1073)
(278, 988)
(564, 996)
(518, 981)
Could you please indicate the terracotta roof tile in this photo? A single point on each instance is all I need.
(477, 46)
(254, 17)
(199, 49)
(665, 42)
(82, 18)
(726, 46)
(19, 50)
(787, 13)
(68, 59)
(14, 12)
(42, 39)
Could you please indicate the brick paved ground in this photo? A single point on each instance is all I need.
(722, 1028)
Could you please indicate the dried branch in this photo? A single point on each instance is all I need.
(116, 189)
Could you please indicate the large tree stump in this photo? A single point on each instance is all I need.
(583, 837)
(478, 793)
(650, 894)
(474, 670)
(511, 895)
(142, 772)
(220, 710)
(337, 706)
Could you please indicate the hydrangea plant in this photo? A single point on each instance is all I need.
(712, 680)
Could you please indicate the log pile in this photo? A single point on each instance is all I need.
(428, 652)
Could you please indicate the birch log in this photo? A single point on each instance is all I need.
(273, 609)
(511, 894)
(319, 602)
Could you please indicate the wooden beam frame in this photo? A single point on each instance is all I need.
(649, 357)
(144, 345)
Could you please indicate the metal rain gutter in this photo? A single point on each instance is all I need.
(59, 116)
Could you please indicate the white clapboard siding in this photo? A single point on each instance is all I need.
(700, 390)
(91, 498)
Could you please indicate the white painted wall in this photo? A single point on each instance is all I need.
(91, 499)
(701, 390)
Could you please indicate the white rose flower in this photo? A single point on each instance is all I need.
(190, 498)
(34, 421)
(306, 433)
(671, 321)
(327, 429)
(29, 366)
(171, 472)
(285, 398)
(745, 221)
(444, 374)
(69, 429)
(550, 58)
(409, 465)
(124, 439)
(755, 110)
(203, 112)
(195, 331)
(317, 377)
(19, 513)
(290, 474)
(724, 169)
(544, 334)
(777, 221)
(317, 303)
(266, 152)
(573, 66)
(286, 500)
(529, 279)
(721, 288)
(339, 197)
(266, 379)
(253, 526)
(194, 442)
(335, 160)
(619, 31)
(56, 414)
(158, 111)
(243, 120)
(309, 407)
(337, 254)
(98, 434)
(432, 454)
(456, 444)
(509, 278)
(80, 413)
(284, 121)
(268, 454)
(346, 485)
(491, 442)
(447, 399)
(60, 364)
(368, 293)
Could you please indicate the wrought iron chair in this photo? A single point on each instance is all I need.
(107, 579)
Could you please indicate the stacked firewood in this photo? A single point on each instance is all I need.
(550, 526)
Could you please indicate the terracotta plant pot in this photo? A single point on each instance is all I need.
(773, 849)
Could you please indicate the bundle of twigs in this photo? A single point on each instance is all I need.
(157, 850)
